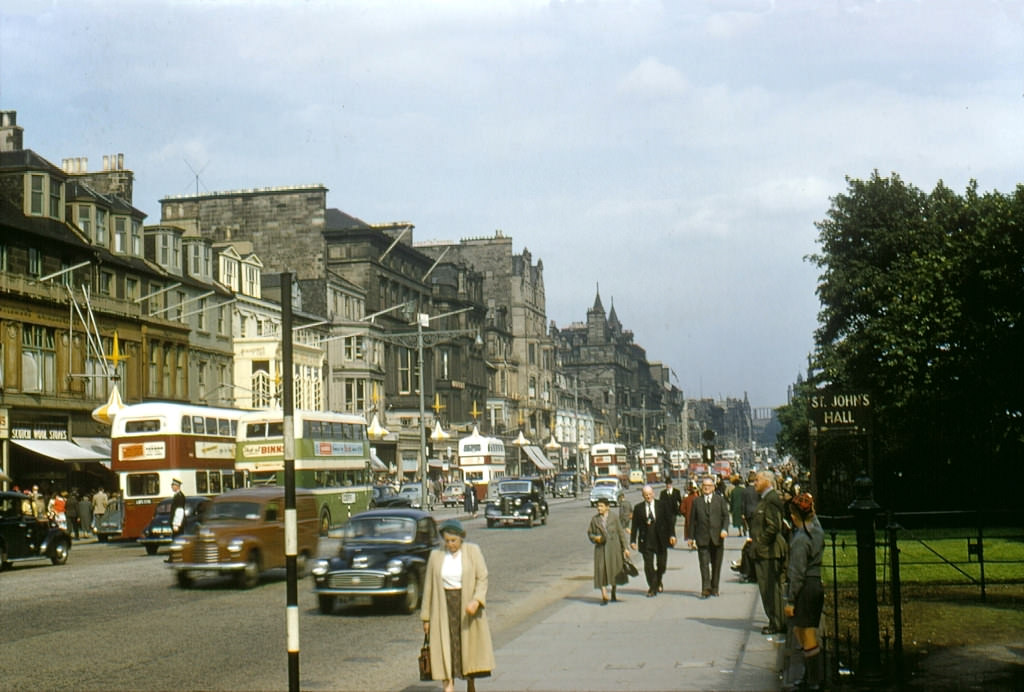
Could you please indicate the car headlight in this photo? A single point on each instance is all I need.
(395, 567)
(519, 501)
(320, 568)
(235, 546)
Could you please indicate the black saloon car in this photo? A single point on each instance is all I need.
(24, 537)
(382, 557)
(565, 484)
(386, 496)
(158, 531)
(520, 501)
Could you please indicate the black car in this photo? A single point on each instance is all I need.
(565, 484)
(520, 501)
(24, 537)
(382, 557)
(158, 531)
(386, 496)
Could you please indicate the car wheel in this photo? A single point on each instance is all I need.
(490, 523)
(408, 601)
(102, 537)
(326, 604)
(151, 549)
(185, 580)
(4, 564)
(325, 521)
(250, 574)
(544, 519)
(59, 554)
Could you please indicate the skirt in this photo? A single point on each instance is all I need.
(809, 603)
(453, 600)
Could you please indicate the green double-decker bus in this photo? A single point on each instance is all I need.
(332, 458)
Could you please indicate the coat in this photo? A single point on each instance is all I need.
(708, 522)
(609, 539)
(766, 527)
(736, 506)
(664, 528)
(477, 650)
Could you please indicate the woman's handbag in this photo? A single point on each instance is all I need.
(629, 568)
(425, 658)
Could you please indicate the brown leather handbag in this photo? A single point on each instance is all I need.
(425, 659)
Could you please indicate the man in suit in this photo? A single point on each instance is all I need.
(769, 550)
(653, 532)
(671, 498)
(709, 515)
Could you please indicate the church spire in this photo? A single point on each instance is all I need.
(598, 307)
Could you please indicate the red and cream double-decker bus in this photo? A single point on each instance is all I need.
(609, 460)
(482, 461)
(152, 443)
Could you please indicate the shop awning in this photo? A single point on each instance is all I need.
(100, 445)
(537, 457)
(61, 450)
(376, 465)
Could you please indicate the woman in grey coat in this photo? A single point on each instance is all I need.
(610, 541)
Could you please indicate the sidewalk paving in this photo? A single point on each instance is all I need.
(675, 641)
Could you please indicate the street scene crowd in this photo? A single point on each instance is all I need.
(79, 513)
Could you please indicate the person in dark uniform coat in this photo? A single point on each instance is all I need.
(709, 518)
(177, 508)
(770, 550)
(653, 532)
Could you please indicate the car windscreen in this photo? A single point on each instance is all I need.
(378, 529)
(605, 484)
(514, 487)
(233, 510)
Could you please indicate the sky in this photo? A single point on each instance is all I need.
(673, 155)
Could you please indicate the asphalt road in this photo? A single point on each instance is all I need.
(112, 618)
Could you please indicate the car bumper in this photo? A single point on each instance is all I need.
(510, 518)
(155, 540)
(211, 567)
(360, 583)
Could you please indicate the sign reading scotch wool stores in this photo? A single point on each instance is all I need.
(835, 410)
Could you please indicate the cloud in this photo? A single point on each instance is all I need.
(654, 79)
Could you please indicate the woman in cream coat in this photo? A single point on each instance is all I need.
(453, 611)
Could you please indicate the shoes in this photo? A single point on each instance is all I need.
(604, 601)
(768, 629)
(615, 599)
(651, 594)
(714, 592)
(704, 595)
(661, 587)
(735, 566)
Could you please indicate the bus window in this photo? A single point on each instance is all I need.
(143, 484)
(337, 431)
(228, 481)
(141, 426)
(234, 428)
(312, 428)
(211, 426)
(186, 424)
(256, 430)
(215, 483)
(201, 485)
(275, 429)
(224, 427)
(197, 425)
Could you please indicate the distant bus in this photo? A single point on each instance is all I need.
(155, 442)
(332, 458)
(677, 459)
(482, 460)
(609, 459)
(652, 461)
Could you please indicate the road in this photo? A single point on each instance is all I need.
(112, 618)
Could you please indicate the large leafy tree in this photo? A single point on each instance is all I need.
(921, 300)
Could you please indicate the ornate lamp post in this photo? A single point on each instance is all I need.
(520, 442)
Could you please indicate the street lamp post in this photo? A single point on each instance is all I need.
(422, 320)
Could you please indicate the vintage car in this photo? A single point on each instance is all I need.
(24, 537)
(565, 484)
(414, 493)
(382, 557)
(607, 489)
(109, 525)
(386, 496)
(453, 495)
(158, 531)
(519, 501)
(242, 533)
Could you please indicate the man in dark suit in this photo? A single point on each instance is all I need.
(709, 515)
(671, 498)
(770, 549)
(653, 532)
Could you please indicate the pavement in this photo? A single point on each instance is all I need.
(674, 641)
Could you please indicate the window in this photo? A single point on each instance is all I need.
(531, 350)
(38, 360)
(165, 250)
(194, 259)
(156, 300)
(154, 369)
(36, 198)
(221, 320)
(35, 262)
(136, 249)
(180, 310)
(354, 348)
(175, 252)
(106, 283)
(201, 314)
(120, 234)
(131, 288)
(101, 228)
(355, 395)
(444, 364)
(99, 384)
(3, 257)
(201, 378)
(405, 370)
(143, 484)
(181, 375)
(230, 278)
(85, 219)
(56, 187)
(252, 282)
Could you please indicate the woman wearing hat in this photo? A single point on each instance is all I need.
(610, 540)
(454, 596)
(805, 596)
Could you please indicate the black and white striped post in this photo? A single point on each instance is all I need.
(291, 541)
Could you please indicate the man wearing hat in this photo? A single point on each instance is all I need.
(177, 507)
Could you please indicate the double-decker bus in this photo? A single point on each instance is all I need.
(482, 460)
(677, 459)
(652, 463)
(696, 467)
(154, 442)
(332, 458)
(609, 460)
(725, 463)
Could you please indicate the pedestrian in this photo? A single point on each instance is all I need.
(750, 500)
(609, 539)
(99, 507)
(625, 511)
(710, 525)
(652, 532)
(60, 506)
(71, 511)
(454, 600)
(38, 503)
(469, 499)
(691, 495)
(177, 507)
(85, 514)
(735, 498)
(672, 498)
(805, 596)
(769, 551)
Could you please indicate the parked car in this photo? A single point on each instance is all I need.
(24, 537)
(453, 495)
(158, 531)
(242, 533)
(382, 557)
(519, 501)
(565, 484)
(110, 524)
(414, 493)
(606, 488)
(386, 496)
(636, 476)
